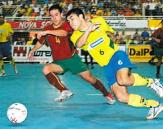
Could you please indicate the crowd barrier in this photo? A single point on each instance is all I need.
(137, 53)
(28, 24)
(20, 54)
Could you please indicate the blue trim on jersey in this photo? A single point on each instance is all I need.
(119, 60)
(94, 44)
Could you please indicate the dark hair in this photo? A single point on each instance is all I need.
(76, 11)
(55, 7)
(161, 21)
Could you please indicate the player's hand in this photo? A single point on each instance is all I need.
(93, 26)
(30, 56)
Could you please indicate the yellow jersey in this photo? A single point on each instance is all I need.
(98, 44)
(5, 31)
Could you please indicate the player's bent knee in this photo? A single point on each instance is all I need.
(46, 69)
(124, 82)
(121, 82)
(122, 99)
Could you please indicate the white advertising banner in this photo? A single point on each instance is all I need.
(130, 24)
(20, 54)
(136, 23)
(115, 23)
(43, 55)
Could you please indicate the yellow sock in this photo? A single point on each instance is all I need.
(140, 80)
(138, 101)
(12, 62)
(1, 65)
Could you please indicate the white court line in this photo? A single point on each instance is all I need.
(94, 94)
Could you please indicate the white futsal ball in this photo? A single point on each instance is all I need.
(17, 113)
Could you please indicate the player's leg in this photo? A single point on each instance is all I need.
(2, 71)
(159, 53)
(13, 63)
(8, 54)
(122, 95)
(119, 77)
(51, 72)
(158, 67)
(96, 83)
(122, 66)
(126, 78)
(81, 69)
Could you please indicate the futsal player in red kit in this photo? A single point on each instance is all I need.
(64, 57)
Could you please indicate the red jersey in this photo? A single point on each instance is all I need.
(159, 34)
(61, 46)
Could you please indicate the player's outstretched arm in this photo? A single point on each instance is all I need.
(83, 39)
(36, 47)
(52, 32)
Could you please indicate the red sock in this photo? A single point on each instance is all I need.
(55, 81)
(98, 85)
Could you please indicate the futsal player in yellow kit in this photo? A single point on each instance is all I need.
(6, 32)
(92, 36)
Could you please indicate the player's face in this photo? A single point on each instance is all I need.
(56, 17)
(75, 21)
(1, 20)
